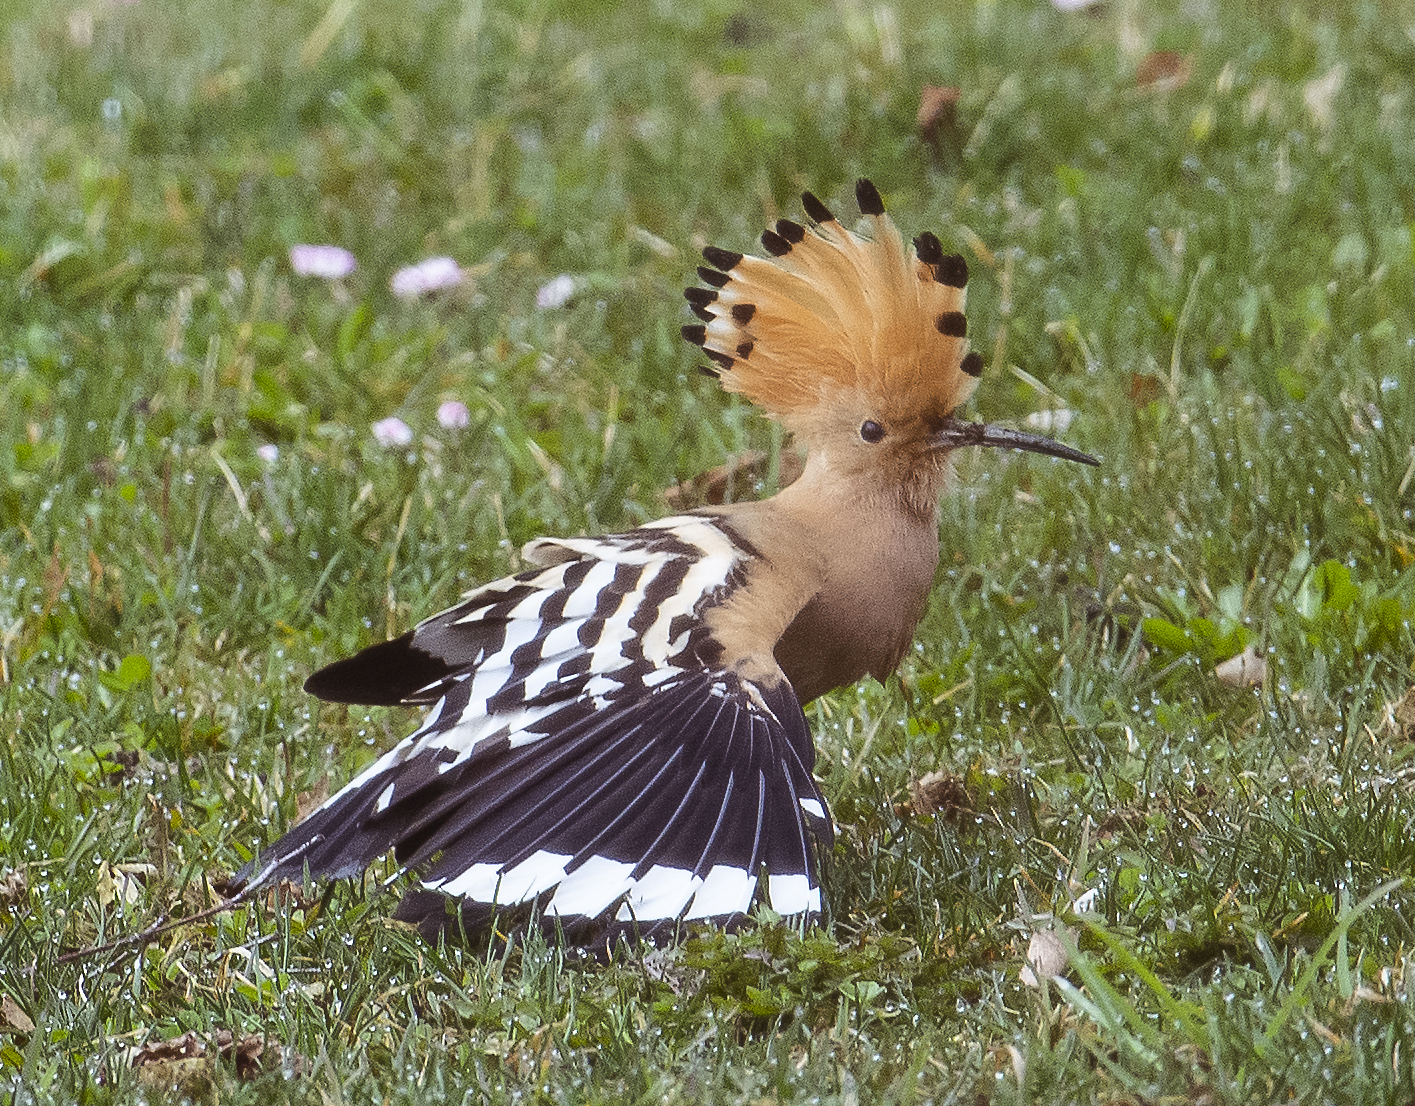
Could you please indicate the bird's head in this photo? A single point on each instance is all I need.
(858, 345)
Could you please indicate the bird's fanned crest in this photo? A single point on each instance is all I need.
(832, 310)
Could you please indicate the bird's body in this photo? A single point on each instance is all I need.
(616, 736)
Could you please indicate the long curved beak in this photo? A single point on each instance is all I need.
(954, 434)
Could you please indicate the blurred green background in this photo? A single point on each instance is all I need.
(1190, 230)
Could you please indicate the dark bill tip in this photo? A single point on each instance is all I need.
(955, 435)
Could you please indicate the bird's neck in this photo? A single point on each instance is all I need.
(834, 496)
(849, 566)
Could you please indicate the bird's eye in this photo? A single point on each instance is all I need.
(871, 431)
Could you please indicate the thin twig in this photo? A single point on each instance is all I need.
(157, 929)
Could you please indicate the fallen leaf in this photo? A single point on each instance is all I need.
(1402, 717)
(939, 793)
(1142, 388)
(188, 1064)
(186, 1047)
(307, 802)
(14, 887)
(1247, 669)
(253, 1054)
(1164, 71)
(179, 1064)
(1046, 958)
(938, 115)
(12, 1018)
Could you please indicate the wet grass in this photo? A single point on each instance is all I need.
(1211, 276)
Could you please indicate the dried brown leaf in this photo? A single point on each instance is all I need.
(938, 115)
(12, 1018)
(1164, 71)
(187, 1063)
(14, 887)
(939, 793)
(307, 802)
(1402, 715)
(1142, 388)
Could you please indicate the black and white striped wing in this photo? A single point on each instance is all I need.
(577, 753)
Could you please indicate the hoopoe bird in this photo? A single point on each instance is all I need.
(614, 739)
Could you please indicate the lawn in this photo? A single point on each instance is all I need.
(1191, 227)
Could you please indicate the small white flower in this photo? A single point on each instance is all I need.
(1086, 902)
(555, 292)
(430, 275)
(325, 262)
(392, 431)
(269, 452)
(452, 414)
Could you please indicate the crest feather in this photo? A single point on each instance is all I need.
(833, 311)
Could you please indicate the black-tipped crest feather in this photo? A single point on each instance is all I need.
(726, 260)
(815, 209)
(832, 309)
(868, 197)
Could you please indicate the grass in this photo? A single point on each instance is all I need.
(1217, 280)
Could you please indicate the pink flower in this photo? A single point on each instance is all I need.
(392, 431)
(269, 452)
(452, 414)
(430, 275)
(555, 292)
(325, 262)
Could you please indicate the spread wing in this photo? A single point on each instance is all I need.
(581, 752)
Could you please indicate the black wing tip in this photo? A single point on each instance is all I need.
(868, 197)
(791, 230)
(388, 674)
